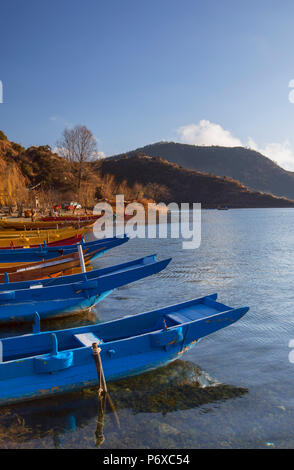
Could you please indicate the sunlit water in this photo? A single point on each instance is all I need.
(235, 389)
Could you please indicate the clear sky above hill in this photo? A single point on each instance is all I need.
(138, 71)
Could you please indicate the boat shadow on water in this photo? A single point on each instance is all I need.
(46, 423)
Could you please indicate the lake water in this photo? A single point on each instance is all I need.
(235, 389)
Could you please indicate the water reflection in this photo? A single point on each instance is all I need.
(99, 432)
(178, 386)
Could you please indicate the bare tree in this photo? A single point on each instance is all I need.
(79, 146)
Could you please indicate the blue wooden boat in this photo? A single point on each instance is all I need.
(48, 363)
(44, 252)
(79, 277)
(71, 294)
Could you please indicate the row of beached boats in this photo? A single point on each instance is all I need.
(53, 277)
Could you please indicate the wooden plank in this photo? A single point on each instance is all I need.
(87, 339)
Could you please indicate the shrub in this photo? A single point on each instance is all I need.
(2, 136)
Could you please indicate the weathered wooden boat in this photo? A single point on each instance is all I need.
(34, 238)
(68, 295)
(22, 225)
(66, 232)
(77, 277)
(48, 363)
(60, 242)
(71, 218)
(61, 266)
(45, 252)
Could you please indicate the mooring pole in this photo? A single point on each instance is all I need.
(82, 259)
(96, 355)
(102, 390)
(100, 422)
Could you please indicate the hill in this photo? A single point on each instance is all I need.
(168, 182)
(248, 166)
(37, 164)
(53, 179)
(50, 177)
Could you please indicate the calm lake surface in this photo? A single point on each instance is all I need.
(235, 389)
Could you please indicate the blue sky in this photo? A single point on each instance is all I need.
(137, 72)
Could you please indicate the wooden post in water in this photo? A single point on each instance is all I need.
(100, 422)
(96, 355)
(102, 390)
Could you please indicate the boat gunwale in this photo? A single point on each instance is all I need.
(88, 328)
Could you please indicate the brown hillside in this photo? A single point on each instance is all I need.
(176, 184)
(137, 177)
(252, 168)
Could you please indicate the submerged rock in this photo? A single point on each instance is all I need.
(178, 386)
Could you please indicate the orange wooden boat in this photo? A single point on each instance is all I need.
(22, 225)
(28, 238)
(70, 218)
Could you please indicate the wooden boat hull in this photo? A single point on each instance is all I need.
(13, 257)
(59, 266)
(62, 242)
(68, 218)
(69, 295)
(49, 363)
(78, 277)
(34, 238)
(9, 225)
(62, 232)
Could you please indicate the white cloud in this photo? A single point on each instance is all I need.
(280, 153)
(60, 120)
(99, 155)
(59, 150)
(209, 133)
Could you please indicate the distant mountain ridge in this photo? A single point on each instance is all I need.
(249, 167)
(167, 182)
(138, 177)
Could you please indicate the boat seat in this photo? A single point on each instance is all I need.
(87, 339)
(177, 318)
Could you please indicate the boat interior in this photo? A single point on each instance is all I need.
(125, 328)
